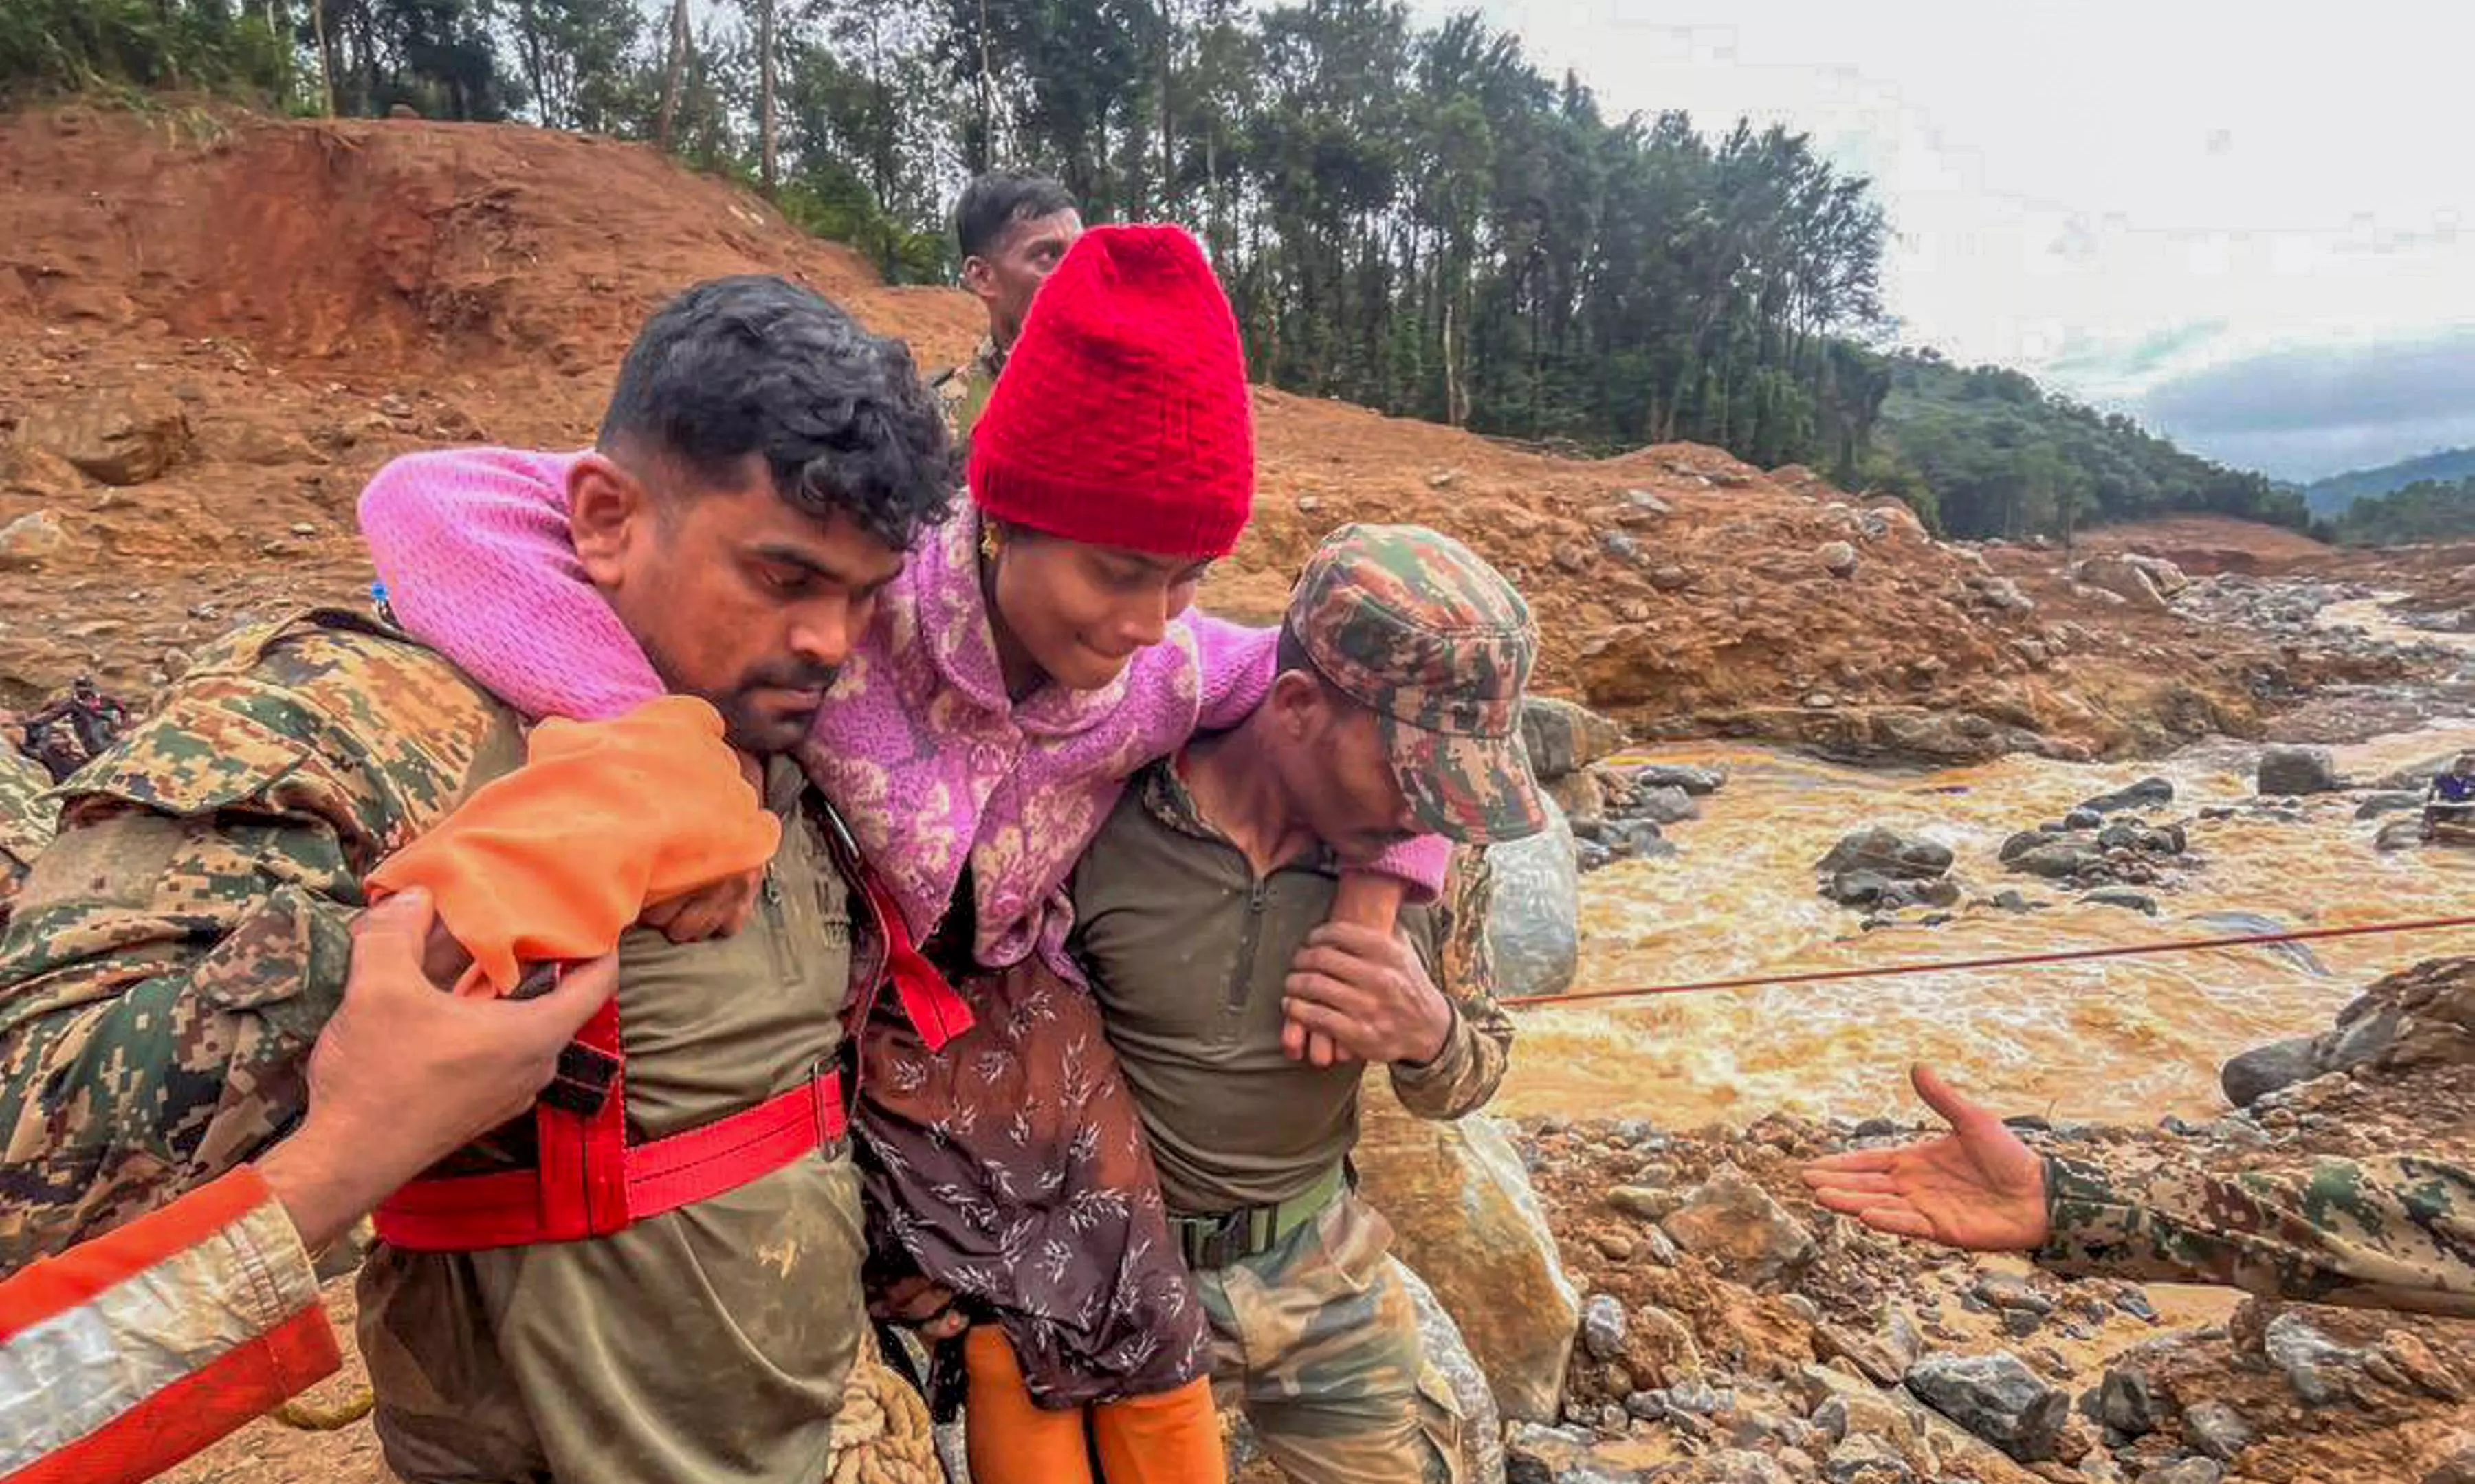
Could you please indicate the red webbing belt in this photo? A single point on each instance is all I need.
(591, 1182)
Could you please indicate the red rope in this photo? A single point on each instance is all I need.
(2007, 961)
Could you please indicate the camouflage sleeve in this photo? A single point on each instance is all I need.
(180, 944)
(2394, 1232)
(26, 819)
(1466, 1072)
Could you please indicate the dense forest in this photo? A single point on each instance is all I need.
(1414, 218)
(2329, 496)
(2426, 510)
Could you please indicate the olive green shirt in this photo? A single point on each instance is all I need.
(1188, 951)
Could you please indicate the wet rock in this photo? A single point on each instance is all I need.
(2264, 1069)
(2126, 1401)
(1582, 801)
(2147, 794)
(2083, 819)
(1663, 805)
(2288, 771)
(1563, 739)
(2216, 1429)
(2009, 901)
(2124, 898)
(1699, 782)
(1466, 1219)
(1603, 1326)
(2399, 835)
(2380, 804)
(1888, 853)
(2189, 1470)
(123, 438)
(2317, 1367)
(1533, 928)
(30, 539)
(1637, 839)
(2057, 860)
(1735, 1223)
(1995, 1398)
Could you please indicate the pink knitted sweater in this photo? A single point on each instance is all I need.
(918, 744)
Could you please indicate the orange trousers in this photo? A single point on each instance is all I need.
(1172, 1438)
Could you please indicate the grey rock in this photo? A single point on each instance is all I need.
(1699, 782)
(1620, 544)
(1603, 1326)
(2233, 923)
(2058, 861)
(2360, 1039)
(1533, 927)
(2010, 901)
(1888, 853)
(2291, 771)
(1864, 1459)
(2315, 1366)
(2399, 835)
(1562, 738)
(2264, 1069)
(2126, 1401)
(1648, 1405)
(1663, 805)
(2009, 1291)
(2083, 818)
(1862, 1414)
(1995, 1398)
(2217, 1430)
(2124, 898)
(1837, 558)
(1733, 1220)
(2147, 794)
(1441, 1344)
(1535, 1454)
(2188, 1470)
(2380, 804)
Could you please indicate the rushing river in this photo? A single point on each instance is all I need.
(2125, 1039)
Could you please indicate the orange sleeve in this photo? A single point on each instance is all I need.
(554, 860)
(156, 1339)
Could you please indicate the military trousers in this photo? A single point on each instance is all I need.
(1317, 1340)
(707, 1344)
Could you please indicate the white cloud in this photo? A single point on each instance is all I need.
(2107, 193)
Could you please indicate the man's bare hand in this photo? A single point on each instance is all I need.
(1977, 1186)
(1368, 994)
(406, 1073)
(717, 910)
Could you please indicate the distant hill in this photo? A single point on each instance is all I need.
(2331, 497)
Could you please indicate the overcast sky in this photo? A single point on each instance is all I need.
(2251, 225)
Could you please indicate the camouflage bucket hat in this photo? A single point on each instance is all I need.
(1414, 627)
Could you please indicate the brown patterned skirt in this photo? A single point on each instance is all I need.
(1011, 1167)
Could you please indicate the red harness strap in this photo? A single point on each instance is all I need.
(591, 1182)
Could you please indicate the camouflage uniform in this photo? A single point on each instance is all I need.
(177, 949)
(2394, 1232)
(964, 391)
(26, 819)
(1315, 1331)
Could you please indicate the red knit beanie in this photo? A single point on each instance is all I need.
(1122, 418)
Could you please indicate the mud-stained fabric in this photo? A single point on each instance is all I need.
(1011, 1167)
(27, 820)
(1317, 1340)
(2394, 1233)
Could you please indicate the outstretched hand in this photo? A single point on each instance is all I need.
(1977, 1186)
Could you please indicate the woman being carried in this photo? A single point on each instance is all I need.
(1031, 658)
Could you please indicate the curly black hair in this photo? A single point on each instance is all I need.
(757, 364)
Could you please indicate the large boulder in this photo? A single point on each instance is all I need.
(1533, 927)
(31, 540)
(2147, 794)
(1563, 738)
(1467, 1221)
(2124, 578)
(2264, 1069)
(124, 438)
(1449, 1359)
(2299, 770)
(1887, 853)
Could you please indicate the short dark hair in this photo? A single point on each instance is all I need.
(999, 199)
(1289, 653)
(757, 364)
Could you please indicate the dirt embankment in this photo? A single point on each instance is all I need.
(212, 328)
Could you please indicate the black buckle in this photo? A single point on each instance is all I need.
(1218, 1241)
(581, 1084)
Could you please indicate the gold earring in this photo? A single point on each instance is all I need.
(989, 541)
